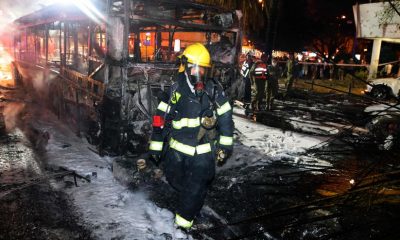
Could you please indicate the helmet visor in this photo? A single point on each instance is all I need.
(197, 73)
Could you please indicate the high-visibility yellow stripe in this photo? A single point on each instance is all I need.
(227, 141)
(180, 221)
(156, 146)
(203, 148)
(189, 150)
(224, 108)
(186, 122)
(175, 97)
(162, 106)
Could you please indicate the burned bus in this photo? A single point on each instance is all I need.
(99, 65)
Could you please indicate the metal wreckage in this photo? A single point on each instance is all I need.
(100, 65)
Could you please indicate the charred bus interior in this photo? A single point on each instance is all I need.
(100, 65)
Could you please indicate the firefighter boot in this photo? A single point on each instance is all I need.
(182, 227)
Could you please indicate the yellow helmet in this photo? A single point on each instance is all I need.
(196, 54)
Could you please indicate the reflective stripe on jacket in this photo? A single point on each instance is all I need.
(244, 71)
(260, 71)
(185, 109)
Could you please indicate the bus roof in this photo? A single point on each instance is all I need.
(50, 14)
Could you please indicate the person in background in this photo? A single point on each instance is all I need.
(289, 70)
(331, 71)
(273, 73)
(305, 70)
(341, 71)
(259, 72)
(246, 74)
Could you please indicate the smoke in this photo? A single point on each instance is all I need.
(12, 113)
(38, 80)
(10, 10)
(34, 77)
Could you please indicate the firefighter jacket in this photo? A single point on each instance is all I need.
(185, 110)
(260, 70)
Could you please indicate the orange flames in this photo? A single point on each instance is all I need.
(5, 65)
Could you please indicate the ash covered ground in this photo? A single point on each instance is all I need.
(313, 173)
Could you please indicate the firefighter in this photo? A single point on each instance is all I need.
(246, 74)
(200, 134)
(289, 70)
(259, 72)
(273, 73)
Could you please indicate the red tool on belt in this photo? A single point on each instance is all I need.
(158, 121)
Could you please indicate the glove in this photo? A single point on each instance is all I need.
(156, 158)
(222, 156)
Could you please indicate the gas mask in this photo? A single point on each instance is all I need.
(196, 78)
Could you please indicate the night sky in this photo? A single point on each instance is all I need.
(298, 20)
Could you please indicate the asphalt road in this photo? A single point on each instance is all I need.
(278, 201)
(353, 196)
(30, 207)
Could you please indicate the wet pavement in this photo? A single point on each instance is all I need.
(354, 196)
(30, 206)
(345, 188)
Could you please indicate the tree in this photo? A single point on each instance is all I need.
(274, 22)
(331, 27)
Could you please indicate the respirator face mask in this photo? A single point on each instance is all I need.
(196, 78)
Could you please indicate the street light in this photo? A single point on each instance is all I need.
(261, 2)
(86, 6)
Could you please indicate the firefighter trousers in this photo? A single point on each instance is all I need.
(260, 92)
(190, 176)
(272, 91)
(289, 83)
(247, 90)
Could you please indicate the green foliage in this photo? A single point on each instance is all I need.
(362, 73)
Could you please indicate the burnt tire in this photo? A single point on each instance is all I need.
(381, 92)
